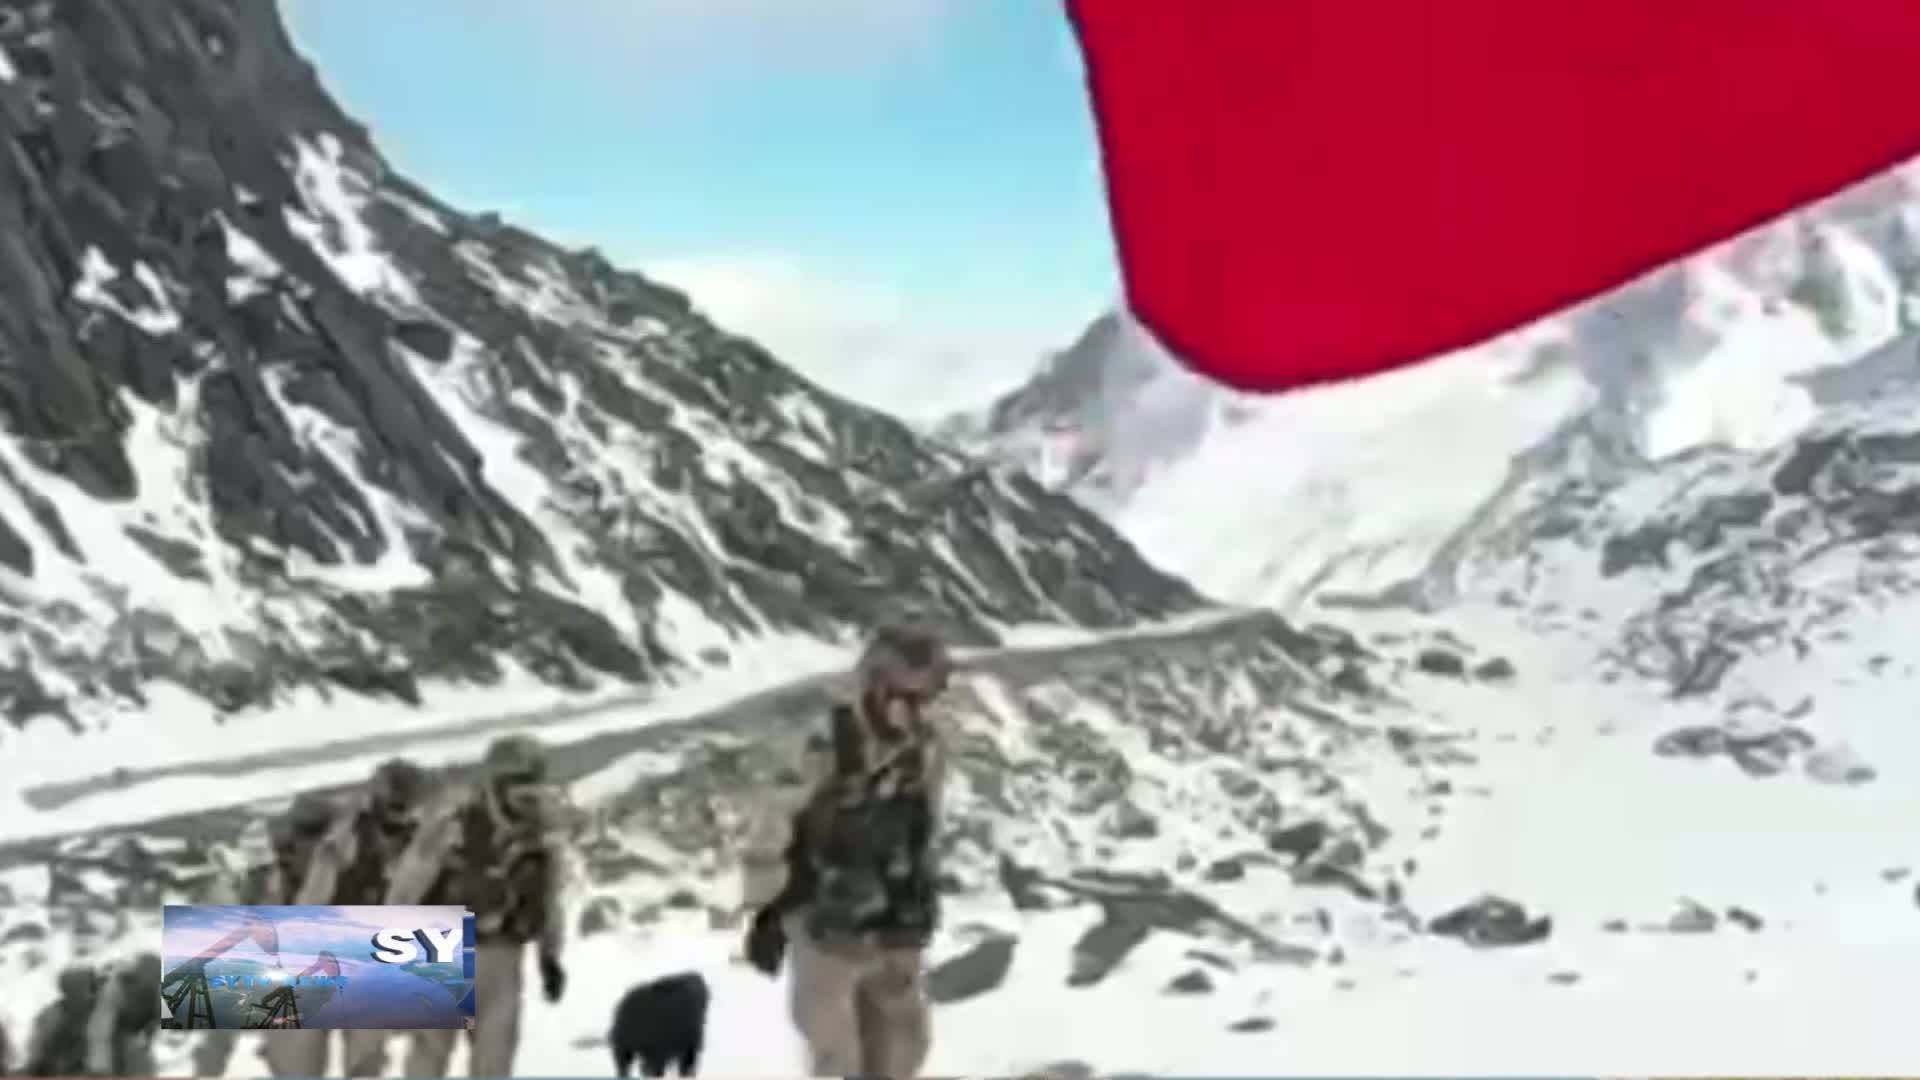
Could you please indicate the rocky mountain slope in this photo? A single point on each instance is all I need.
(1350, 492)
(1755, 577)
(276, 418)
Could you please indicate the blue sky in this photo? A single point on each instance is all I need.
(901, 196)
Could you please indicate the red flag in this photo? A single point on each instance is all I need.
(1310, 190)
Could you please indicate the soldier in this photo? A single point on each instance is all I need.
(120, 1032)
(352, 865)
(848, 885)
(292, 836)
(494, 849)
(57, 1045)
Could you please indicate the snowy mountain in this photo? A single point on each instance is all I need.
(1098, 417)
(292, 426)
(311, 469)
(1358, 486)
(1759, 577)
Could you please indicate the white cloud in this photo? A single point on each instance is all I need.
(862, 341)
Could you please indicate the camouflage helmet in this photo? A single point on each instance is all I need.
(515, 757)
(143, 968)
(904, 657)
(77, 980)
(304, 819)
(398, 782)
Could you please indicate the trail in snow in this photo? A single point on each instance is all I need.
(271, 757)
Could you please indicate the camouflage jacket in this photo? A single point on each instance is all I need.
(856, 857)
(354, 862)
(121, 1030)
(58, 1044)
(510, 873)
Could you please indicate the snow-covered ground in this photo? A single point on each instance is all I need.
(1559, 804)
(1669, 1007)
(1574, 818)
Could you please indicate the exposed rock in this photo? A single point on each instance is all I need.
(1224, 870)
(1301, 841)
(1492, 921)
(1212, 960)
(1498, 669)
(1695, 741)
(1692, 918)
(1130, 822)
(1251, 1025)
(1761, 757)
(1191, 981)
(1441, 662)
(1064, 1070)
(23, 932)
(1763, 748)
(1744, 919)
(1106, 945)
(978, 970)
(1838, 765)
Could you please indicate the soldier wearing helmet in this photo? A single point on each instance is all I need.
(120, 1032)
(855, 900)
(493, 848)
(353, 864)
(292, 836)
(355, 858)
(57, 1045)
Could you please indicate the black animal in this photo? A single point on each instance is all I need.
(661, 1023)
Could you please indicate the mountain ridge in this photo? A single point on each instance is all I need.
(303, 428)
(1734, 346)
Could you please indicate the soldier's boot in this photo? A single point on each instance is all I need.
(498, 984)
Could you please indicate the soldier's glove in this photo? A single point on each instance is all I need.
(766, 941)
(553, 978)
